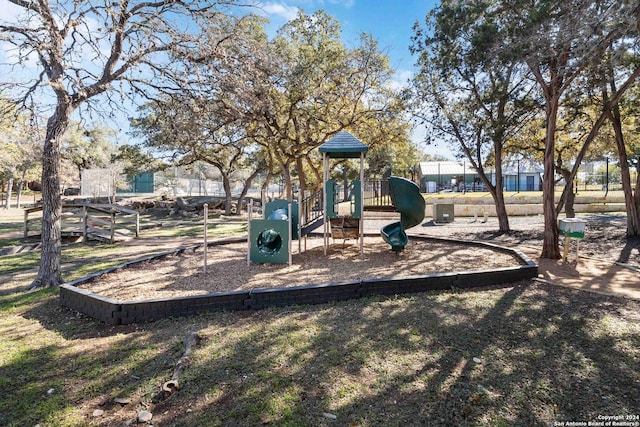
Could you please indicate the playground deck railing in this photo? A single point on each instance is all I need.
(311, 209)
(377, 195)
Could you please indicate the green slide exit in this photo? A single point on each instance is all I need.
(406, 198)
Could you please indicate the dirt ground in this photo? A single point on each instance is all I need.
(608, 262)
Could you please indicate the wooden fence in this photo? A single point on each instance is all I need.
(103, 222)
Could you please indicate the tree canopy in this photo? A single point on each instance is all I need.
(550, 48)
(471, 99)
(92, 55)
(271, 103)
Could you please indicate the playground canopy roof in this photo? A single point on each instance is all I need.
(343, 146)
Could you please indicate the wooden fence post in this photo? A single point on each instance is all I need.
(26, 223)
(113, 226)
(85, 225)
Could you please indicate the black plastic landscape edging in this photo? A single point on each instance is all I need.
(118, 312)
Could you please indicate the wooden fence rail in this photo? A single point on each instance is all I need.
(104, 222)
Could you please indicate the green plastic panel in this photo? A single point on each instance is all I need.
(269, 241)
(355, 196)
(271, 208)
(331, 193)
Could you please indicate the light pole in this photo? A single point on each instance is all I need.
(518, 178)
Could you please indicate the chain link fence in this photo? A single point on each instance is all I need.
(600, 181)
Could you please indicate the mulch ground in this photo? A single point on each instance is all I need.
(227, 268)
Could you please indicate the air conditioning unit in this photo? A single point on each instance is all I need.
(443, 212)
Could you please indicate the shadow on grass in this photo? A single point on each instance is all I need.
(542, 354)
(18, 270)
(513, 237)
(60, 378)
(631, 244)
(542, 357)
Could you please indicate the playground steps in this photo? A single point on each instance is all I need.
(345, 227)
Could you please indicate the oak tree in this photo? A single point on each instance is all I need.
(467, 96)
(95, 55)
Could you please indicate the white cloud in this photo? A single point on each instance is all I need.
(280, 9)
(347, 4)
(401, 79)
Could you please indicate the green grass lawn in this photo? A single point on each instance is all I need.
(11, 227)
(527, 355)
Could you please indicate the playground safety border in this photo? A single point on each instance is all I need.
(116, 312)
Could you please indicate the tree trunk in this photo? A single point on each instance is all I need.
(265, 184)
(288, 185)
(632, 207)
(569, 209)
(550, 244)
(245, 188)
(636, 193)
(570, 195)
(345, 184)
(19, 199)
(302, 176)
(9, 190)
(286, 174)
(114, 184)
(49, 273)
(228, 199)
(317, 174)
(21, 186)
(498, 197)
(501, 212)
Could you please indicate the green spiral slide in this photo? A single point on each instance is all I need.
(406, 198)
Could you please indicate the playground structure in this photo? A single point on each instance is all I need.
(343, 146)
(270, 238)
(270, 242)
(347, 226)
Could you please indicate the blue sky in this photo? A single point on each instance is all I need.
(388, 21)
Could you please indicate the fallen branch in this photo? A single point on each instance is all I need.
(173, 384)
